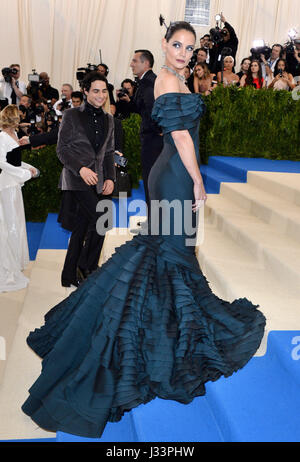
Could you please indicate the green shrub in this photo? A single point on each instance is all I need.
(251, 123)
(41, 195)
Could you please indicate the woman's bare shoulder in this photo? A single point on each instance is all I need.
(166, 83)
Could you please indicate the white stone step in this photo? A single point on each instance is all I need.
(281, 213)
(232, 273)
(284, 185)
(274, 250)
(11, 305)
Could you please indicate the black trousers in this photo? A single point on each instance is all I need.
(85, 243)
(151, 148)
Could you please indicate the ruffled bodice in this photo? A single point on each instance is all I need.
(178, 111)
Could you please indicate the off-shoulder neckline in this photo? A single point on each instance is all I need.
(177, 93)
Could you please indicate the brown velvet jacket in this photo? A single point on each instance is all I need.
(75, 151)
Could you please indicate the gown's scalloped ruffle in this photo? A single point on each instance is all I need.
(178, 111)
(142, 326)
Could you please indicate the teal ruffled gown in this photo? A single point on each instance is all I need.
(146, 324)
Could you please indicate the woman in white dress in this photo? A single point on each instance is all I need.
(14, 255)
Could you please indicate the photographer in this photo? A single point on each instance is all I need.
(125, 105)
(268, 65)
(46, 91)
(37, 138)
(226, 38)
(66, 99)
(282, 80)
(292, 53)
(10, 86)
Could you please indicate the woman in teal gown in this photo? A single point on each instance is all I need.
(146, 324)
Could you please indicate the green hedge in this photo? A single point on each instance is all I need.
(238, 122)
(245, 122)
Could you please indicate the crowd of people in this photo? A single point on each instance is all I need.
(214, 62)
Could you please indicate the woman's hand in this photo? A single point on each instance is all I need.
(24, 140)
(33, 172)
(199, 195)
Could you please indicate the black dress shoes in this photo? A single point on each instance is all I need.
(67, 283)
(82, 273)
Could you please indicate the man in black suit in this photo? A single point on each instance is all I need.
(86, 149)
(151, 139)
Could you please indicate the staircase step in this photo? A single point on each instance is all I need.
(281, 213)
(254, 164)
(229, 166)
(279, 184)
(275, 250)
(213, 178)
(11, 306)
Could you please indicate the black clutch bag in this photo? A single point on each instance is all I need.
(123, 183)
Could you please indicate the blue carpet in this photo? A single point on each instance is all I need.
(234, 170)
(34, 234)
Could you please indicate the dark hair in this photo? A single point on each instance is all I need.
(246, 59)
(276, 70)
(77, 94)
(249, 78)
(205, 68)
(146, 55)
(281, 48)
(202, 49)
(92, 77)
(179, 25)
(105, 67)
(132, 83)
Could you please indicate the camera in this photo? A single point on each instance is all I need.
(34, 79)
(217, 35)
(51, 117)
(290, 45)
(32, 129)
(8, 73)
(122, 92)
(64, 104)
(83, 71)
(260, 48)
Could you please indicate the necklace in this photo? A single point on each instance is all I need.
(180, 77)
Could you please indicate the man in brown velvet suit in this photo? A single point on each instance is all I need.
(86, 149)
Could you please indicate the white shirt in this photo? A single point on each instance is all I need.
(272, 65)
(59, 113)
(6, 90)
